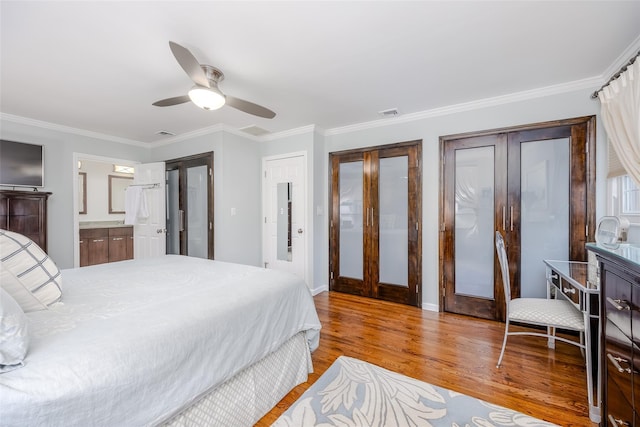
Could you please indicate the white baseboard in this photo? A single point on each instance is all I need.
(319, 289)
(431, 307)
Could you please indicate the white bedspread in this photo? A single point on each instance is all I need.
(133, 342)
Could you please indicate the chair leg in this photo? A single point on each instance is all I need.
(504, 342)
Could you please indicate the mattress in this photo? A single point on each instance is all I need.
(135, 342)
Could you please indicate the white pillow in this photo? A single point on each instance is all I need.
(14, 338)
(27, 273)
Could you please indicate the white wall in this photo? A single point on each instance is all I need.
(236, 184)
(59, 175)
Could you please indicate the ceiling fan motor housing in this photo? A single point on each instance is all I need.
(214, 75)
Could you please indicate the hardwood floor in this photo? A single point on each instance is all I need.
(451, 351)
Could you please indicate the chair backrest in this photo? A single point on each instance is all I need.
(504, 266)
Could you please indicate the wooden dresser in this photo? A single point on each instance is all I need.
(620, 357)
(25, 212)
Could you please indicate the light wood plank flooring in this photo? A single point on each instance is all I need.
(451, 351)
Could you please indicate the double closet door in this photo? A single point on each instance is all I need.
(375, 228)
(535, 185)
(190, 206)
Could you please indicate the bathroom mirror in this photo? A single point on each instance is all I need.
(82, 192)
(284, 221)
(117, 186)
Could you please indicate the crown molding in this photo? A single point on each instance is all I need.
(291, 132)
(229, 129)
(184, 136)
(588, 83)
(621, 60)
(67, 129)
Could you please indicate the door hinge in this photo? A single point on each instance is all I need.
(331, 275)
(265, 174)
(417, 226)
(586, 230)
(443, 227)
(210, 225)
(210, 172)
(265, 219)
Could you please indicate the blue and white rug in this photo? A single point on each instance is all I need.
(355, 393)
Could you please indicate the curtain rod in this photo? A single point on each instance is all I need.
(594, 95)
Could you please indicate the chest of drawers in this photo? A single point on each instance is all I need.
(620, 304)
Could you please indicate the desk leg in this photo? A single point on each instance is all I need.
(590, 338)
(551, 342)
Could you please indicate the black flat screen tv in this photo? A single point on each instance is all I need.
(21, 164)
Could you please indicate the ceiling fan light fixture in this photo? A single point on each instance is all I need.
(206, 98)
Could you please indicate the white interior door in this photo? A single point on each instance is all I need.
(284, 209)
(149, 233)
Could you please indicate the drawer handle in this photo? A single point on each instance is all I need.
(118, 238)
(616, 362)
(569, 290)
(98, 240)
(615, 422)
(618, 304)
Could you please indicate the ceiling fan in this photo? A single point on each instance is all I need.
(205, 94)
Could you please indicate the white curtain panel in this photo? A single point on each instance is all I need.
(620, 112)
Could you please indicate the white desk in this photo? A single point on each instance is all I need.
(569, 279)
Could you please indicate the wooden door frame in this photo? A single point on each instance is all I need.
(580, 127)
(181, 164)
(371, 156)
(334, 229)
(487, 308)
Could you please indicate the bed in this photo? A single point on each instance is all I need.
(172, 341)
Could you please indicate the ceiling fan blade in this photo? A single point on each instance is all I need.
(172, 101)
(189, 64)
(250, 107)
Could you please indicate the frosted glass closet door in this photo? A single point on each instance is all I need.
(393, 220)
(474, 221)
(173, 213)
(544, 199)
(197, 201)
(351, 219)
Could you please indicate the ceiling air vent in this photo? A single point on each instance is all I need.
(254, 130)
(165, 133)
(389, 113)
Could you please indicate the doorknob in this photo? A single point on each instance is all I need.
(299, 230)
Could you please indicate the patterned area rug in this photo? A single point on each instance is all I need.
(355, 393)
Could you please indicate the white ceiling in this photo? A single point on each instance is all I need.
(98, 66)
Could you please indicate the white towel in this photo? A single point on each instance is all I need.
(135, 204)
(132, 204)
(143, 209)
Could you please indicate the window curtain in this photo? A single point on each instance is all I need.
(620, 113)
